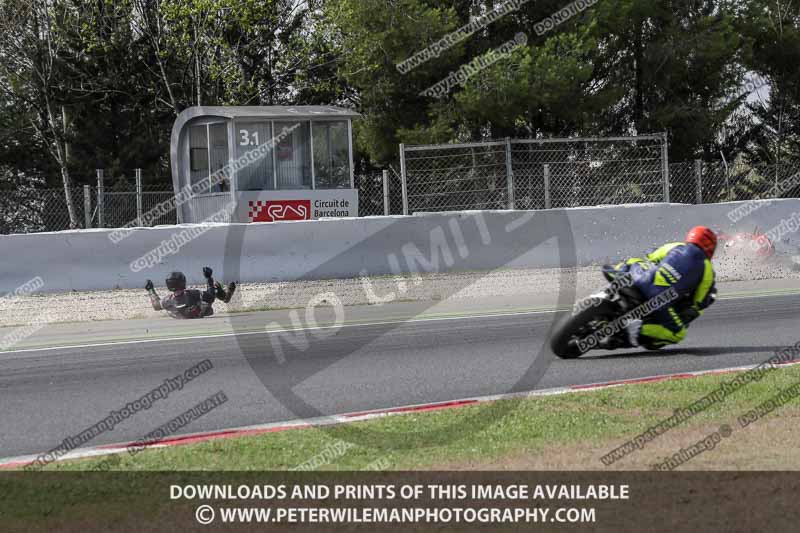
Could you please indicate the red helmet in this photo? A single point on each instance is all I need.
(704, 238)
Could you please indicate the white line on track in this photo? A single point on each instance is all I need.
(317, 328)
(271, 331)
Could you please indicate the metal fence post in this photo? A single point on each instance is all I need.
(403, 177)
(139, 197)
(386, 193)
(546, 186)
(87, 206)
(509, 174)
(698, 178)
(100, 199)
(665, 166)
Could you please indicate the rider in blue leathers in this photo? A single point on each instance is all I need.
(686, 268)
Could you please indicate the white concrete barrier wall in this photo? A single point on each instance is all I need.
(342, 248)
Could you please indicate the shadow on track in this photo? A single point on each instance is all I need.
(708, 351)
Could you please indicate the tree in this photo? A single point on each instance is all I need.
(19, 172)
(371, 37)
(32, 76)
(773, 30)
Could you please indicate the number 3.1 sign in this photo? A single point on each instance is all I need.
(248, 138)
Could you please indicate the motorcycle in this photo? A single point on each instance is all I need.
(582, 330)
(599, 321)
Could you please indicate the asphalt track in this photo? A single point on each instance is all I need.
(71, 375)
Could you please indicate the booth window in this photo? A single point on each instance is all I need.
(198, 153)
(208, 153)
(257, 175)
(331, 155)
(292, 155)
(285, 155)
(219, 155)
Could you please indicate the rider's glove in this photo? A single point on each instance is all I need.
(148, 286)
(689, 314)
(710, 298)
(207, 272)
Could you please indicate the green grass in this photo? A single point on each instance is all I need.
(465, 436)
(71, 493)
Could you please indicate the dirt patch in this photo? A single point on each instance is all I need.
(539, 284)
(769, 444)
(123, 304)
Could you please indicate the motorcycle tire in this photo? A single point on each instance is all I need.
(572, 327)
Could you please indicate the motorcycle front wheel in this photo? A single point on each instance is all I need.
(580, 326)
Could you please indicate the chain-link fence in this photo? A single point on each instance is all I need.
(535, 173)
(455, 177)
(54, 214)
(572, 173)
(496, 175)
(121, 207)
(379, 193)
(551, 173)
(370, 194)
(108, 205)
(117, 203)
(33, 210)
(122, 202)
(699, 182)
(106, 209)
(46, 210)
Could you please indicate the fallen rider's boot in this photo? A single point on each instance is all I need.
(229, 293)
(219, 291)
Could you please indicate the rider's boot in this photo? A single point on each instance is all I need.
(229, 292)
(629, 338)
(633, 329)
(224, 294)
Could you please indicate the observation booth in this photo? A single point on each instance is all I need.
(263, 164)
